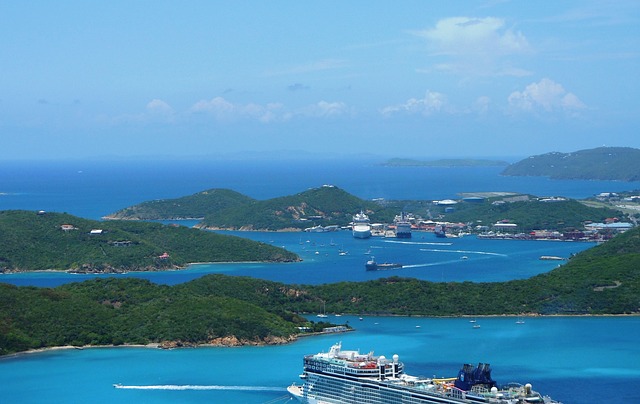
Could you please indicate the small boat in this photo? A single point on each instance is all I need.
(324, 311)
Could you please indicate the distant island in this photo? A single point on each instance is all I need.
(33, 241)
(227, 209)
(223, 209)
(602, 163)
(226, 310)
(403, 162)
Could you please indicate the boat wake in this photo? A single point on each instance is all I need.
(464, 252)
(197, 387)
(417, 242)
(430, 264)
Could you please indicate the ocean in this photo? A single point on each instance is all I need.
(573, 359)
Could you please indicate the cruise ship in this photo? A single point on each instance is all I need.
(351, 377)
(361, 227)
(403, 226)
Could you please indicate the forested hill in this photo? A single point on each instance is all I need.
(194, 206)
(217, 308)
(531, 214)
(59, 241)
(602, 163)
(225, 209)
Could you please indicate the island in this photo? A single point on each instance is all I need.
(602, 163)
(225, 310)
(33, 241)
(332, 207)
(218, 209)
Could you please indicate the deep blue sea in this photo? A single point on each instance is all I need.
(576, 360)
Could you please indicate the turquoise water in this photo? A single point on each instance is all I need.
(576, 360)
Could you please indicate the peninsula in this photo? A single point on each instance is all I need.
(602, 163)
(34, 241)
(226, 209)
(218, 308)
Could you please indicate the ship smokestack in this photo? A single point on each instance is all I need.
(381, 364)
(395, 365)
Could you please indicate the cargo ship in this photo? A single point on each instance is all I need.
(372, 265)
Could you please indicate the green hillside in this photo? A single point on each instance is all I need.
(194, 206)
(133, 311)
(602, 163)
(224, 209)
(601, 280)
(532, 214)
(32, 241)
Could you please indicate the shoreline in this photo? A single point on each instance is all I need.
(176, 269)
(291, 339)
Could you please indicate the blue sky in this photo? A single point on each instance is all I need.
(421, 79)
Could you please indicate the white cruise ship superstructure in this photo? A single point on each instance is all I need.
(351, 377)
(361, 227)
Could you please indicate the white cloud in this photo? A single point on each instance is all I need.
(159, 106)
(546, 95)
(432, 102)
(478, 46)
(223, 110)
(326, 109)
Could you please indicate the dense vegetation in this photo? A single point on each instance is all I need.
(194, 206)
(32, 241)
(133, 311)
(399, 162)
(601, 280)
(602, 163)
(224, 209)
(531, 214)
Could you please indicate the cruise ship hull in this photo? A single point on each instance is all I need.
(362, 231)
(361, 228)
(348, 377)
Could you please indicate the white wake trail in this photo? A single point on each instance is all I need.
(196, 387)
(464, 252)
(418, 242)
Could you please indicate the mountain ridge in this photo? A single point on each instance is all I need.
(602, 163)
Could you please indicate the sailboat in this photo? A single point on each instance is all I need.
(323, 314)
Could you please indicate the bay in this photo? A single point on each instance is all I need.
(423, 257)
(576, 360)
